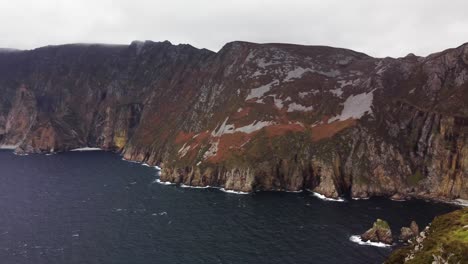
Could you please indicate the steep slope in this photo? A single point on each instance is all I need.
(444, 241)
(252, 116)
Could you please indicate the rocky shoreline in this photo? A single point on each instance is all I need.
(251, 116)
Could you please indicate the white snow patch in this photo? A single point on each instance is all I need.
(260, 91)
(223, 129)
(257, 73)
(358, 240)
(355, 107)
(296, 73)
(338, 92)
(324, 198)
(183, 150)
(298, 107)
(305, 94)
(230, 129)
(212, 150)
(86, 149)
(412, 90)
(256, 125)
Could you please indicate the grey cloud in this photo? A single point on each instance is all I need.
(379, 28)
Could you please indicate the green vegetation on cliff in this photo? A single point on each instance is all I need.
(446, 241)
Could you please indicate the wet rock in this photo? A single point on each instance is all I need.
(380, 232)
(414, 228)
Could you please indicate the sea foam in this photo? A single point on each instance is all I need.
(324, 198)
(358, 240)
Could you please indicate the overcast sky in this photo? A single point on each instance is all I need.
(376, 27)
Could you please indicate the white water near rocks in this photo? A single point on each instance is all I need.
(91, 207)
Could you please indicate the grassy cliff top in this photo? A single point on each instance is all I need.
(446, 241)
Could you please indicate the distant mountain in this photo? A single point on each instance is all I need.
(252, 116)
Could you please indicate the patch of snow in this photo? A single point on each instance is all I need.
(355, 107)
(324, 198)
(223, 129)
(343, 83)
(412, 91)
(238, 110)
(305, 94)
(338, 92)
(257, 73)
(296, 73)
(256, 125)
(260, 91)
(230, 129)
(358, 240)
(86, 149)
(212, 150)
(183, 150)
(298, 107)
(278, 102)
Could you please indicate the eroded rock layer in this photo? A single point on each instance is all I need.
(252, 116)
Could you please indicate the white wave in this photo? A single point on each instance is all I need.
(132, 161)
(461, 202)
(21, 154)
(324, 198)
(86, 149)
(163, 183)
(360, 198)
(232, 191)
(294, 191)
(194, 187)
(9, 147)
(358, 240)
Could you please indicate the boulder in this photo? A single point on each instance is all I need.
(414, 228)
(406, 234)
(380, 232)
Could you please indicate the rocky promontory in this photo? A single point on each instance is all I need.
(445, 240)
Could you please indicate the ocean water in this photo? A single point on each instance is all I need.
(93, 207)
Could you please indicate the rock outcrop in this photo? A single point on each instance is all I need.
(407, 233)
(252, 116)
(380, 232)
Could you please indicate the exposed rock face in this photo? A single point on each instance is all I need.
(407, 233)
(380, 232)
(444, 241)
(252, 116)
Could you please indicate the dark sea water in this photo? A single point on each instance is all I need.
(92, 207)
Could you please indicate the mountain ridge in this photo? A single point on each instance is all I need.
(251, 116)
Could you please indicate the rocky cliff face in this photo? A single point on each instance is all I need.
(252, 116)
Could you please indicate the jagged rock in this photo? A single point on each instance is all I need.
(406, 234)
(380, 232)
(414, 228)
